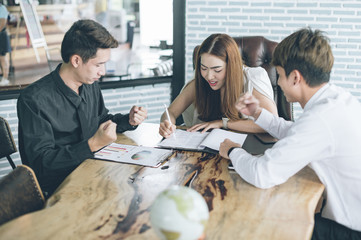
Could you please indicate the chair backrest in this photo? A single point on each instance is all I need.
(7, 143)
(20, 194)
(257, 51)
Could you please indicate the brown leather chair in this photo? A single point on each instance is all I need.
(7, 144)
(257, 51)
(20, 194)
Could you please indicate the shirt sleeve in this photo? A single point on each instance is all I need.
(276, 126)
(39, 147)
(257, 78)
(308, 140)
(122, 120)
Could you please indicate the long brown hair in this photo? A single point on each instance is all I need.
(208, 102)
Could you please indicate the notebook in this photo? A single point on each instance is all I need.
(197, 141)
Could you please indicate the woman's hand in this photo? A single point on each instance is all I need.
(206, 126)
(166, 129)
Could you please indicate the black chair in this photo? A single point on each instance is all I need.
(7, 144)
(20, 194)
(257, 51)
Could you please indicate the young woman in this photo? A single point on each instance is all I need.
(208, 101)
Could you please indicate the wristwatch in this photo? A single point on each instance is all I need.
(225, 123)
(230, 150)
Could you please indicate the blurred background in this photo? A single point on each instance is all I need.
(143, 28)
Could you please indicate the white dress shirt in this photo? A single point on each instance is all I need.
(254, 78)
(325, 137)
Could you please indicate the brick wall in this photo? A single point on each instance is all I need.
(276, 19)
(116, 100)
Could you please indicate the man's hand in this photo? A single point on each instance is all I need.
(137, 115)
(166, 129)
(225, 146)
(105, 135)
(249, 105)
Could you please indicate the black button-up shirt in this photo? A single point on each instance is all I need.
(55, 124)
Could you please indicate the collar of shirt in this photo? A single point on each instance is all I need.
(315, 97)
(68, 93)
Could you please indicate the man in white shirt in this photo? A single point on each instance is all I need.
(326, 137)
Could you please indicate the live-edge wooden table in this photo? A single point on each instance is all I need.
(108, 200)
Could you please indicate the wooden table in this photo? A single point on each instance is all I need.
(107, 200)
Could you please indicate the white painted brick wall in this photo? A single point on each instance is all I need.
(120, 100)
(276, 19)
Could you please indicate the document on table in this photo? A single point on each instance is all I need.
(201, 141)
(146, 156)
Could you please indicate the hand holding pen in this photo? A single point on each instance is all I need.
(166, 128)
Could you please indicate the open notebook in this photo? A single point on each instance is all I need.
(197, 141)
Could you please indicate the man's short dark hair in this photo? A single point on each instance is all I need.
(308, 52)
(84, 38)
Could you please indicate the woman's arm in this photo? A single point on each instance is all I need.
(247, 125)
(181, 103)
(242, 125)
(261, 88)
(177, 107)
(2, 23)
(265, 102)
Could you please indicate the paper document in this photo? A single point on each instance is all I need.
(200, 141)
(146, 156)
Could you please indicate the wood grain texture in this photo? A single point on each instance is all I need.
(107, 200)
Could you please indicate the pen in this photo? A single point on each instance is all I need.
(166, 111)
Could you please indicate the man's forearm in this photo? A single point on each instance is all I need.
(122, 122)
(274, 125)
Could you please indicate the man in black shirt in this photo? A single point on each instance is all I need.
(62, 116)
